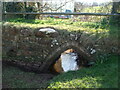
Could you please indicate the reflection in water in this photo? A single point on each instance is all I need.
(67, 61)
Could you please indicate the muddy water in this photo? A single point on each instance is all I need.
(68, 61)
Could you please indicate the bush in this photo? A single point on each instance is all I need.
(14, 7)
(104, 23)
(115, 20)
(30, 9)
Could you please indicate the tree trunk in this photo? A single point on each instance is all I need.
(39, 6)
(115, 7)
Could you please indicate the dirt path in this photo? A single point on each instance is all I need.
(13, 77)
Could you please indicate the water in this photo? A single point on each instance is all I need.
(68, 61)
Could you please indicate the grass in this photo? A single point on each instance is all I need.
(66, 24)
(100, 28)
(98, 9)
(103, 75)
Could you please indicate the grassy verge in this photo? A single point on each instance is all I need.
(99, 76)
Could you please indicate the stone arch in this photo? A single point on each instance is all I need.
(56, 54)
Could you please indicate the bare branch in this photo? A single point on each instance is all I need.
(46, 6)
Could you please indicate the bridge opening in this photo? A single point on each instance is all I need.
(69, 60)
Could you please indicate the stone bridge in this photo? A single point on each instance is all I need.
(37, 49)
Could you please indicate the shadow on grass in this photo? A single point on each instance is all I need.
(13, 77)
(21, 20)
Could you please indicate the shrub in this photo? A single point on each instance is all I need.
(14, 7)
